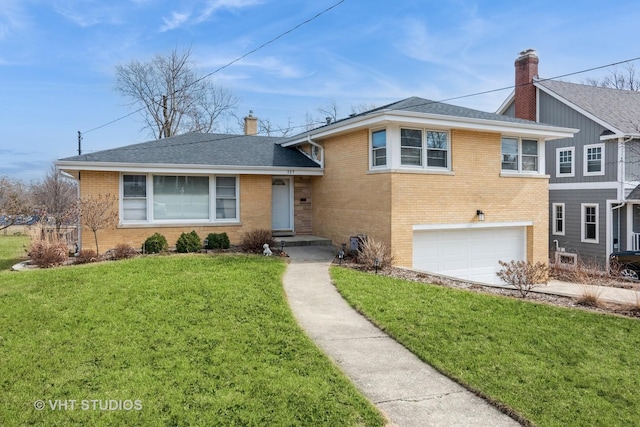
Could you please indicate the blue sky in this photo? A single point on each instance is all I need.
(58, 58)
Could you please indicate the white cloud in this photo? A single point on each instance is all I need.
(176, 21)
(87, 13)
(12, 18)
(213, 6)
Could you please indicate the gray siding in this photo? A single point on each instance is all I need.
(556, 113)
(632, 160)
(571, 241)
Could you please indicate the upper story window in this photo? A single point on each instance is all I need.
(594, 159)
(420, 148)
(379, 148)
(410, 147)
(179, 198)
(520, 155)
(565, 162)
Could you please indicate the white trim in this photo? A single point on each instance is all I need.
(607, 185)
(585, 160)
(554, 219)
(573, 162)
(386, 147)
(181, 169)
(411, 118)
(467, 225)
(583, 207)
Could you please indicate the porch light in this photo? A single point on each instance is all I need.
(480, 215)
(341, 253)
(282, 245)
(376, 264)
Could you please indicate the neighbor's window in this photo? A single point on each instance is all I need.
(379, 148)
(594, 159)
(590, 223)
(558, 218)
(226, 197)
(134, 197)
(520, 155)
(565, 161)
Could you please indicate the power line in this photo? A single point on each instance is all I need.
(263, 45)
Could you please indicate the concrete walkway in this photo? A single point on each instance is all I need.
(408, 391)
(605, 293)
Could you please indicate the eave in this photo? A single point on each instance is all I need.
(73, 167)
(435, 121)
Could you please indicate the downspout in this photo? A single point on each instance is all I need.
(320, 147)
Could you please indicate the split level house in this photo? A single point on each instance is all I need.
(594, 193)
(427, 178)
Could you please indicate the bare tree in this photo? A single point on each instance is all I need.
(265, 127)
(173, 97)
(98, 213)
(56, 196)
(16, 202)
(617, 79)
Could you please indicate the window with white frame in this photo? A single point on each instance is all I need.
(590, 223)
(178, 198)
(558, 218)
(424, 148)
(594, 159)
(437, 149)
(410, 147)
(134, 197)
(565, 161)
(379, 148)
(520, 155)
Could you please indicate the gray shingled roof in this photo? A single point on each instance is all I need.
(619, 108)
(205, 149)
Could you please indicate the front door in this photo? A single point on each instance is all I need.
(281, 204)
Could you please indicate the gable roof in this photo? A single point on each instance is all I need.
(616, 109)
(200, 149)
(425, 112)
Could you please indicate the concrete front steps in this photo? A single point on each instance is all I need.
(301, 240)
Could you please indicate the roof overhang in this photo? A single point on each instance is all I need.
(73, 167)
(409, 118)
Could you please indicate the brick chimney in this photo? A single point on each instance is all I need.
(525, 98)
(250, 124)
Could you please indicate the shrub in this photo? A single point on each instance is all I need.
(123, 251)
(218, 241)
(155, 244)
(253, 240)
(45, 254)
(188, 242)
(524, 275)
(371, 250)
(86, 256)
(590, 296)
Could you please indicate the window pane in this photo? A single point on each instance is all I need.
(529, 163)
(411, 147)
(226, 200)
(134, 185)
(437, 140)
(529, 147)
(134, 200)
(379, 148)
(437, 158)
(181, 197)
(509, 154)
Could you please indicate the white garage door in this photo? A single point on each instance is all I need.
(470, 254)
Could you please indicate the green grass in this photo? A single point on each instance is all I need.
(197, 340)
(13, 249)
(553, 366)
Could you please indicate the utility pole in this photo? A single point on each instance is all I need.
(79, 143)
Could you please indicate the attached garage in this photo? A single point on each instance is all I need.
(468, 251)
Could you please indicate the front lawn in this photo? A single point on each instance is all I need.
(164, 340)
(13, 249)
(553, 366)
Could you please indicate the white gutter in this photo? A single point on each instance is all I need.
(185, 169)
(438, 121)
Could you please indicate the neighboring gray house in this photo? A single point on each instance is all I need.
(594, 192)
